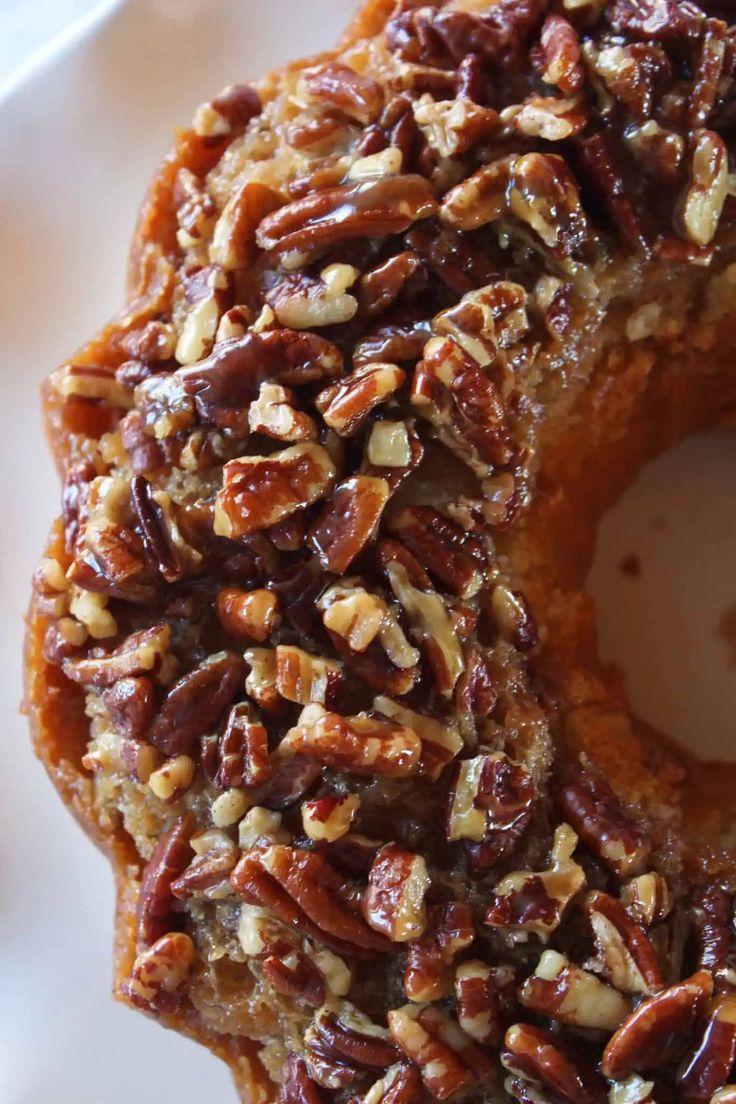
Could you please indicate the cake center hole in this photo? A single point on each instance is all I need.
(664, 583)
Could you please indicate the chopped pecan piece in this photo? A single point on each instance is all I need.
(430, 958)
(539, 1056)
(431, 626)
(661, 20)
(526, 902)
(486, 319)
(710, 1064)
(173, 778)
(597, 815)
(131, 703)
(453, 556)
(703, 201)
(228, 113)
(353, 613)
(570, 995)
(452, 127)
(159, 976)
(491, 802)
(513, 617)
(712, 910)
(295, 976)
(480, 198)
(248, 614)
(208, 874)
(306, 894)
(89, 381)
(195, 703)
(382, 286)
(441, 739)
(549, 117)
(297, 1086)
(170, 857)
(658, 1031)
(478, 1004)
(393, 903)
(348, 521)
(559, 55)
(304, 302)
(273, 414)
(475, 692)
(360, 744)
(329, 818)
(711, 60)
(647, 899)
(456, 396)
(447, 1058)
(162, 538)
(346, 405)
(401, 1084)
(260, 684)
(370, 208)
(304, 678)
(338, 86)
(141, 653)
(259, 491)
(242, 750)
(624, 954)
(598, 165)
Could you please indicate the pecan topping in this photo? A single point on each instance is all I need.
(297, 1086)
(259, 491)
(478, 1004)
(361, 744)
(371, 208)
(453, 556)
(383, 285)
(429, 959)
(141, 653)
(131, 703)
(441, 740)
(196, 702)
(400, 1085)
(159, 977)
(712, 908)
(346, 405)
(525, 902)
(233, 243)
(170, 857)
(329, 818)
(432, 627)
(703, 201)
(596, 814)
(647, 899)
(242, 750)
(540, 1057)
(163, 541)
(273, 413)
(447, 1058)
(625, 955)
(348, 521)
(303, 678)
(306, 894)
(659, 1029)
(208, 873)
(566, 993)
(342, 1045)
(491, 803)
(394, 900)
(454, 126)
(559, 55)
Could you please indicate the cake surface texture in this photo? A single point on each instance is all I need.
(309, 653)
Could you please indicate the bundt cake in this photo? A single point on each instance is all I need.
(309, 653)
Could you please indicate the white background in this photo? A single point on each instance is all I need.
(79, 138)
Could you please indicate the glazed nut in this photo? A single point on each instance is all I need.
(273, 413)
(196, 702)
(513, 617)
(454, 557)
(260, 683)
(303, 302)
(170, 857)
(360, 744)
(295, 976)
(647, 899)
(538, 1056)
(88, 381)
(486, 320)
(707, 1069)
(242, 750)
(173, 778)
(431, 627)
(259, 491)
(548, 117)
(346, 405)
(526, 902)
(248, 614)
(442, 1069)
(304, 678)
(656, 1032)
(570, 995)
(229, 807)
(624, 953)
(329, 818)
(336, 85)
(560, 54)
(198, 331)
(229, 112)
(491, 802)
(141, 653)
(260, 827)
(441, 740)
(703, 201)
(159, 976)
(401, 1084)
(478, 1008)
(207, 876)
(348, 521)
(342, 1043)
(452, 126)
(393, 903)
(597, 815)
(388, 445)
(429, 959)
(354, 614)
(233, 243)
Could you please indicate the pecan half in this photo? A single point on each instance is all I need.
(248, 614)
(360, 744)
(170, 857)
(340, 87)
(348, 521)
(559, 55)
(526, 902)
(208, 873)
(295, 976)
(233, 242)
(380, 287)
(370, 208)
(131, 703)
(712, 908)
(712, 1060)
(703, 201)
(453, 556)
(429, 959)
(304, 678)
(393, 903)
(447, 1058)
(566, 993)
(242, 750)
(624, 954)
(452, 127)
(491, 801)
(141, 653)
(307, 895)
(711, 60)
(162, 538)
(195, 703)
(159, 976)
(431, 626)
(441, 739)
(343, 1044)
(259, 491)
(539, 1056)
(297, 1086)
(597, 815)
(401, 1084)
(658, 1031)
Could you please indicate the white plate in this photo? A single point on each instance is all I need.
(79, 138)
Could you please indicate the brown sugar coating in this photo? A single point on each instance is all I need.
(309, 652)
